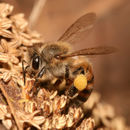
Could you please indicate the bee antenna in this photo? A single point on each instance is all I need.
(24, 70)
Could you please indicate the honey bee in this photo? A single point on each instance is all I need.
(55, 66)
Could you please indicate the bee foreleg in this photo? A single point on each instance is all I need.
(41, 72)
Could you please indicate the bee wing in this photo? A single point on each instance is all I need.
(84, 23)
(90, 51)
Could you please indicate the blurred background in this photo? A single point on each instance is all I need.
(112, 28)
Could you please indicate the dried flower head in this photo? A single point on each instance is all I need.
(5, 10)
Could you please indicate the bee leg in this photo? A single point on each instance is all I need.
(67, 73)
(37, 83)
(41, 72)
(57, 84)
(67, 76)
(72, 92)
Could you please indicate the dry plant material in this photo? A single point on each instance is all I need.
(19, 109)
(87, 124)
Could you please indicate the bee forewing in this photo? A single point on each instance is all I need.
(84, 23)
(91, 51)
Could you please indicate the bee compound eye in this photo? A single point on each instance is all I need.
(36, 62)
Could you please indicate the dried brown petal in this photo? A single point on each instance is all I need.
(5, 116)
(4, 58)
(40, 95)
(1, 49)
(22, 38)
(26, 89)
(87, 124)
(4, 25)
(46, 108)
(14, 59)
(4, 45)
(13, 53)
(34, 41)
(3, 111)
(43, 94)
(20, 22)
(76, 112)
(7, 123)
(70, 122)
(53, 94)
(59, 103)
(14, 43)
(34, 34)
(30, 106)
(6, 76)
(7, 58)
(59, 121)
(7, 48)
(39, 120)
(6, 33)
(74, 115)
(25, 38)
(47, 124)
(20, 81)
(17, 36)
(5, 10)
(35, 37)
(26, 42)
(31, 119)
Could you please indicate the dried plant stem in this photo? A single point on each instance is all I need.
(37, 8)
(12, 109)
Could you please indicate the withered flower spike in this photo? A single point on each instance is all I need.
(12, 109)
